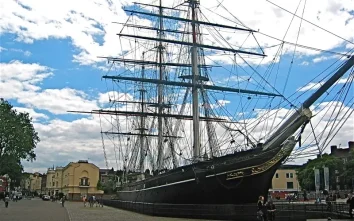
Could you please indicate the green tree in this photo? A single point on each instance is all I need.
(13, 168)
(99, 185)
(306, 174)
(109, 186)
(18, 139)
(348, 173)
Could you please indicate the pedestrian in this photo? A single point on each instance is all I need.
(350, 201)
(271, 210)
(261, 212)
(101, 201)
(329, 203)
(84, 200)
(94, 200)
(91, 201)
(63, 201)
(6, 200)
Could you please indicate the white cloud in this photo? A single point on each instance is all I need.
(22, 81)
(59, 101)
(305, 63)
(25, 53)
(320, 59)
(17, 78)
(66, 141)
(37, 20)
(35, 116)
(314, 86)
(104, 98)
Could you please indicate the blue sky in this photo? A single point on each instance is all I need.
(49, 62)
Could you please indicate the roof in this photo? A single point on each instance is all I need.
(79, 162)
(289, 167)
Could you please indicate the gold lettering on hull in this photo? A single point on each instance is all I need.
(256, 169)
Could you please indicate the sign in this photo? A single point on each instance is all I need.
(317, 179)
(326, 178)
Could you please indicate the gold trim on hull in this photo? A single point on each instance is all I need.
(249, 171)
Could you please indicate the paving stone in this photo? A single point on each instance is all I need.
(77, 212)
(39, 210)
(33, 210)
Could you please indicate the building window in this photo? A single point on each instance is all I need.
(84, 181)
(277, 175)
(57, 183)
(289, 185)
(53, 184)
(289, 175)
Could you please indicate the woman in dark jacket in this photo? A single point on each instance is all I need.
(262, 210)
(350, 201)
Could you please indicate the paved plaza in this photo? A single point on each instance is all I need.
(33, 210)
(39, 210)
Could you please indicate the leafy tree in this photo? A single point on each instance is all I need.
(348, 174)
(306, 175)
(109, 186)
(18, 138)
(99, 185)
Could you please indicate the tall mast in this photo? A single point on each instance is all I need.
(195, 74)
(142, 121)
(160, 97)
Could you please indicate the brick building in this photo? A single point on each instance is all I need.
(343, 154)
(3, 184)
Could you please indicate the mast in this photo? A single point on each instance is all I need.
(194, 83)
(160, 97)
(142, 121)
(195, 74)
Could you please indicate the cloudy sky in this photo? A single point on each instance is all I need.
(49, 53)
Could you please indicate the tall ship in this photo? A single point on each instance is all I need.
(195, 116)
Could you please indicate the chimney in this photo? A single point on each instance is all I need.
(333, 149)
(351, 145)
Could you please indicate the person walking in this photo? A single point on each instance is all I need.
(91, 201)
(84, 199)
(271, 210)
(261, 212)
(350, 201)
(63, 201)
(6, 200)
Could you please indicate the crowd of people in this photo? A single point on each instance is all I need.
(266, 210)
(92, 201)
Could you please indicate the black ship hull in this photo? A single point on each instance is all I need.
(233, 179)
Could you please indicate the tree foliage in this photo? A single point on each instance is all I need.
(13, 168)
(306, 175)
(18, 139)
(99, 185)
(348, 173)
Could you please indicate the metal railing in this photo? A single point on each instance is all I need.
(284, 211)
